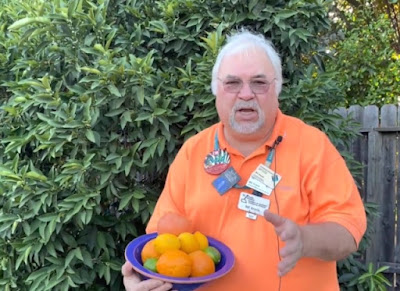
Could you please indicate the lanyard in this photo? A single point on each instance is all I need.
(268, 160)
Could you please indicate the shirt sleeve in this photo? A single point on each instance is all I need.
(332, 192)
(172, 196)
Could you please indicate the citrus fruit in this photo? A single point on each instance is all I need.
(213, 253)
(166, 241)
(150, 264)
(188, 242)
(202, 264)
(174, 263)
(173, 223)
(201, 239)
(149, 251)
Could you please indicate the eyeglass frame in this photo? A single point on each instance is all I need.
(251, 84)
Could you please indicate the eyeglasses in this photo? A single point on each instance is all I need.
(257, 86)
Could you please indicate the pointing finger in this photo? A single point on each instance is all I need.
(275, 219)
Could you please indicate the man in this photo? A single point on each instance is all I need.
(272, 188)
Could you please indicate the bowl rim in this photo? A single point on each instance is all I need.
(138, 267)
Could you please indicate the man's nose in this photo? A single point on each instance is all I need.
(245, 92)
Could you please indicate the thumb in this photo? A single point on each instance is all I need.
(127, 269)
(275, 219)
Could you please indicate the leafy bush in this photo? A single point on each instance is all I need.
(97, 97)
(367, 63)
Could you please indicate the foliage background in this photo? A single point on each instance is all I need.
(365, 47)
(97, 97)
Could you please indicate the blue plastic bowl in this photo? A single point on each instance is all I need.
(133, 255)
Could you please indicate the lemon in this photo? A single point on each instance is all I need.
(165, 242)
(188, 242)
(201, 239)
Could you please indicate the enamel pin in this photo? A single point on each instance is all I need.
(217, 161)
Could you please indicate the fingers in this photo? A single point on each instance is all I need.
(285, 267)
(290, 254)
(288, 250)
(154, 285)
(275, 219)
(131, 278)
(127, 269)
(132, 281)
(288, 232)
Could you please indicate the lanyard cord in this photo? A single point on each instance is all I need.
(268, 160)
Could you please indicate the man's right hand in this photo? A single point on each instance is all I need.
(132, 281)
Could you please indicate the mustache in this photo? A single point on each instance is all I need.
(240, 105)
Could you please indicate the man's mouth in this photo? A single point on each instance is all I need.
(245, 110)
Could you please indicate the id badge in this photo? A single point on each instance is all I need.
(226, 181)
(253, 204)
(263, 180)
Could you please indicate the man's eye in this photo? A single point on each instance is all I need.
(259, 82)
(232, 82)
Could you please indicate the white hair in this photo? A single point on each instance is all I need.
(243, 41)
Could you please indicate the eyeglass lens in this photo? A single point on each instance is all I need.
(256, 86)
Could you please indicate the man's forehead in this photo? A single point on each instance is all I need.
(253, 62)
(257, 76)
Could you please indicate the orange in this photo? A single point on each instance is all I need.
(201, 239)
(189, 243)
(173, 223)
(174, 263)
(165, 242)
(148, 251)
(202, 264)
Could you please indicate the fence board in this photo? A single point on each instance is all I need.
(387, 166)
(397, 212)
(371, 120)
(378, 148)
(359, 145)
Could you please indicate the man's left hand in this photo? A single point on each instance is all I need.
(290, 233)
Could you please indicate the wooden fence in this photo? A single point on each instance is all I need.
(378, 150)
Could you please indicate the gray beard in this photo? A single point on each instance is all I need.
(248, 127)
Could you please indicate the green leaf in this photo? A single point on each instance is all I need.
(252, 4)
(140, 95)
(135, 205)
(159, 111)
(90, 135)
(382, 269)
(284, 14)
(125, 199)
(28, 20)
(48, 217)
(145, 116)
(91, 70)
(128, 167)
(125, 118)
(158, 26)
(69, 239)
(36, 176)
(69, 258)
(87, 258)
(114, 90)
(72, 7)
(138, 194)
(107, 275)
(101, 240)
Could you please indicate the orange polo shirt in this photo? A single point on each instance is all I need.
(316, 186)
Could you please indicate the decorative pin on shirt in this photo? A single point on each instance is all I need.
(217, 161)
